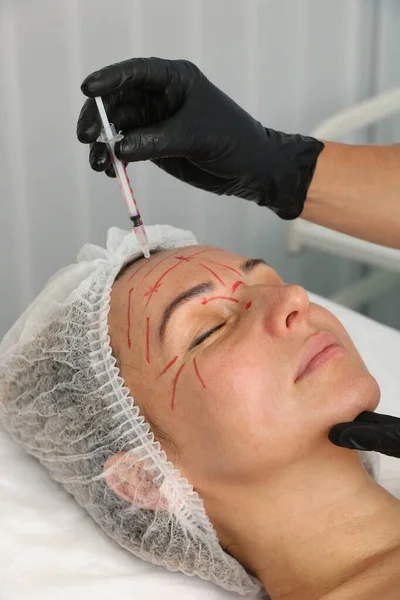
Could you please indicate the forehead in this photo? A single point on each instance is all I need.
(147, 284)
(166, 269)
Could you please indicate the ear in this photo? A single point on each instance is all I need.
(128, 478)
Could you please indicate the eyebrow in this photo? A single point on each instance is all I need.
(198, 290)
(252, 263)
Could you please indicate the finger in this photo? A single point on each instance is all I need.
(127, 117)
(382, 438)
(89, 123)
(347, 435)
(368, 437)
(148, 143)
(145, 73)
(186, 171)
(110, 172)
(373, 417)
(99, 157)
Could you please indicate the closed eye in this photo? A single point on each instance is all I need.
(204, 336)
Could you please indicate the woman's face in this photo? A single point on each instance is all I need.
(211, 345)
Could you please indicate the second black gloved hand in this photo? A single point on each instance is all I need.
(369, 431)
(171, 114)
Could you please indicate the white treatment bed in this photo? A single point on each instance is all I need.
(51, 550)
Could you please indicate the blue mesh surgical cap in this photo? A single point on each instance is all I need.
(63, 400)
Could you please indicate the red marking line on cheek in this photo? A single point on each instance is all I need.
(207, 300)
(174, 385)
(171, 362)
(236, 285)
(148, 339)
(129, 318)
(249, 303)
(213, 272)
(197, 373)
(215, 262)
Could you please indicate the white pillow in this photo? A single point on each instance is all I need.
(50, 549)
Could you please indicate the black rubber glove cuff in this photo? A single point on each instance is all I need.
(288, 174)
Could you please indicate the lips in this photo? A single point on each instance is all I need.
(319, 347)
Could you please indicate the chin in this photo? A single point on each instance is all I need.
(343, 390)
(355, 390)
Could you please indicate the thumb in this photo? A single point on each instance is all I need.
(147, 143)
(350, 435)
(367, 436)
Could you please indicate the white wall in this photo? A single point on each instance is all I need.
(290, 63)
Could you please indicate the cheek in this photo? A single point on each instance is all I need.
(258, 418)
(237, 411)
(243, 383)
(242, 407)
(220, 402)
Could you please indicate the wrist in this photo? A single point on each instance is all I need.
(288, 171)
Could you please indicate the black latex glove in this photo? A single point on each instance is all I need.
(171, 114)
(369, 431)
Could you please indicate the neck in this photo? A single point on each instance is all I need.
(311, 527)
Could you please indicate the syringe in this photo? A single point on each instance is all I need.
(109, 136)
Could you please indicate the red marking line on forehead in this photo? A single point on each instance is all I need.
(200, 252)
(248, 305)
(185, 258)
(213, 272)
(154, 267)
(137, 271)
(174, 385)
(129, 318)
(207, 300)
(181, 260)
(157, 284)
(215, 262)
(152, 289)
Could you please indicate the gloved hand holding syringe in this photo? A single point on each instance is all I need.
(109, 136)
(229, 152)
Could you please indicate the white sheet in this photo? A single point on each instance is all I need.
(51, 550)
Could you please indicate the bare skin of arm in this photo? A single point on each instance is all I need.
(356, 190)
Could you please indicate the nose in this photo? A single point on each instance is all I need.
(285, 309)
